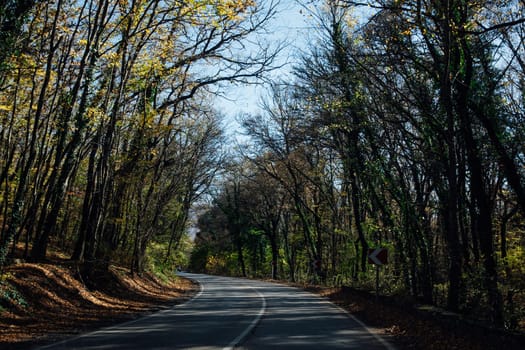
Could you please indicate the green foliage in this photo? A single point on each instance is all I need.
(515, 258)
(9, 296)
(223, 263)
(199, 258)
(160, 263)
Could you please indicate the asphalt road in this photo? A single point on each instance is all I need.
(230, 312)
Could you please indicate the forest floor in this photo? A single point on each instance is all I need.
(40, 292)
(49, 302)
(410, 326)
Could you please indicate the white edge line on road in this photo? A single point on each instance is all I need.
(383, 341)
(235, 342)
(201, 290)
(123, 324)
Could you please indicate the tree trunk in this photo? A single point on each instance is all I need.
(240, 255)
(275, 254)
(479, 191)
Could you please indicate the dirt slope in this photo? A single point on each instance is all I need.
(410, 326)
(47, 302)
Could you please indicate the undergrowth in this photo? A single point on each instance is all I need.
(9, 296)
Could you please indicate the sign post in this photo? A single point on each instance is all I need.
(378, 257)
(377, 282)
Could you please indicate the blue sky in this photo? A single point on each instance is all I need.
(289, 25)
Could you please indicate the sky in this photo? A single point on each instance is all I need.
(288, 25)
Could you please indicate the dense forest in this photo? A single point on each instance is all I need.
(401, 126)
(108, 133)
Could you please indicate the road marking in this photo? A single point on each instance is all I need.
(201, 290)
(325, 300)
(384, 342)
(252, 325)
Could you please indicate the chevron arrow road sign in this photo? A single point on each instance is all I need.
(378, 256)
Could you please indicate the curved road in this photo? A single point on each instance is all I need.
(232, 312)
